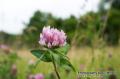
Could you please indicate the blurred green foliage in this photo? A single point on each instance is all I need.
(7, 65)
(113, 24)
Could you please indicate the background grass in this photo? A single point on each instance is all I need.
(105, 59)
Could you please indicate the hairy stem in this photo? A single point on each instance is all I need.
(53, 61)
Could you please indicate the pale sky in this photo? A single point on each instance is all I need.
(13, 13)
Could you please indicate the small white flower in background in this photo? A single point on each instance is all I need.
(52, 37)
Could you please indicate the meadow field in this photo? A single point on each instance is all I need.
(105, 60)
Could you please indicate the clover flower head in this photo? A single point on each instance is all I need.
(52, 37)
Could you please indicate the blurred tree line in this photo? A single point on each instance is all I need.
(80, 31)
(113, 24)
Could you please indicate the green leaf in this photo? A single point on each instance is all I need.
(62, 61)
(56, 57)
(65, 62)
(60, 57)
(43, 55)
(63, 50)
(58, 53)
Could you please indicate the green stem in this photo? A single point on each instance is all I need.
(53, 61)
(93, 59)
(101, 32)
